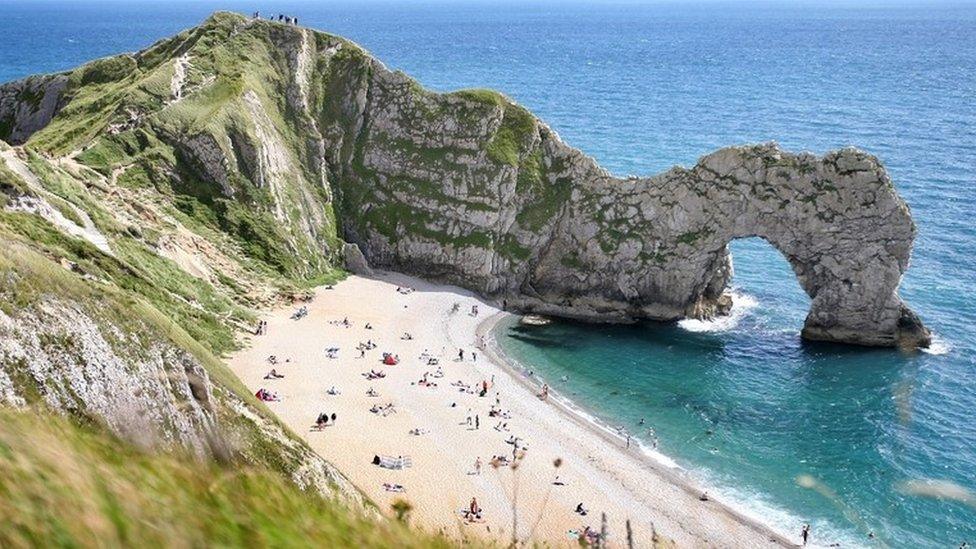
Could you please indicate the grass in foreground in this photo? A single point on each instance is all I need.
(68, 485)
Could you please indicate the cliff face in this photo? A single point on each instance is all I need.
(471, 188)
(289, 141)
(28, 105)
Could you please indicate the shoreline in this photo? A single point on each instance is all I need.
(570, 459)
(673, 473)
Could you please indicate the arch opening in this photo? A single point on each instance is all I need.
(762, 274)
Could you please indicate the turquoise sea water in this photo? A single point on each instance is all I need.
(742, 403)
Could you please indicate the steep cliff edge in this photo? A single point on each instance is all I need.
(96, 324)
(291, 141)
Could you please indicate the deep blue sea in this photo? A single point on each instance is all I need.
(742, 403)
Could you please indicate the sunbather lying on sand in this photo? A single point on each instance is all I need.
(393, 487)
(267, 396)
(383, 410)
(424, 382)
(273, 374)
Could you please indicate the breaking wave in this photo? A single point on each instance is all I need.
(742, 304)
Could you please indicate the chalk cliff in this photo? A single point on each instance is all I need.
(294, 144)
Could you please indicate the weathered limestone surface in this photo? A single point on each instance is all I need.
(28, 105)
(354, 260)
(552, 232)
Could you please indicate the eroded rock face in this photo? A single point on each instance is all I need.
(544, 228)
(28, 105)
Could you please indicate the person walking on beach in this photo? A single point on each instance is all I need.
(805, 533)
(460, 354)
(477, 422)
(477, 466)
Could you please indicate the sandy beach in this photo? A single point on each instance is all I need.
(457, 426)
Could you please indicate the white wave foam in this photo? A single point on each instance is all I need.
(741, 305)
(757, 507)
(939, 346)
(752, 504)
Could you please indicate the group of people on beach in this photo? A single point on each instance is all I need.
(322, 421)
(472, 419)
(473, 513)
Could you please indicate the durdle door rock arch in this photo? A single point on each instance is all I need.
(333, 157)
(551, 232)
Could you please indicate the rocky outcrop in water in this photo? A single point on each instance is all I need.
(320, 143)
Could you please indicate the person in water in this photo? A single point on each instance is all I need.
(805, 533)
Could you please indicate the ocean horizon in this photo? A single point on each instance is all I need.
(797, 432)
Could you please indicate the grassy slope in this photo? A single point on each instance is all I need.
(225, 63)
(67, 485)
